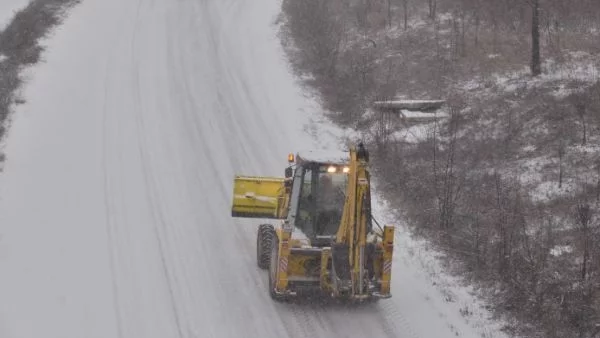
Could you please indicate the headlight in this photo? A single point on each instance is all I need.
(331, 169)
(346, 170)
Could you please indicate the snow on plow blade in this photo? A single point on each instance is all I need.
(258, 197)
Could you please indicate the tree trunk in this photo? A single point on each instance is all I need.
(463, 42)
(405, 4)
(389, 13)
(581, 110)
(455, 38)
(598, 181)
(584, 214)
(584, 141)
(536, 68)
(432, 8)
(477, 22)
(561, 154)
(495, 35)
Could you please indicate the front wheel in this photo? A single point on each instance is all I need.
(264, 240)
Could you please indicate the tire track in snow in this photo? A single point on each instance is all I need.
(190, 133)
(207, 139)
(110, 228)
(392, 317)
(147, 175)
(226, 81)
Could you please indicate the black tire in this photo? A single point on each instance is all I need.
(264, 241)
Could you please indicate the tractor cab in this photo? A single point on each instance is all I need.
(318, 195)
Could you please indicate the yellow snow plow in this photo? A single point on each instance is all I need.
(259, 197)
(325, 241)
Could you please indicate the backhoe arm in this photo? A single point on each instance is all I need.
(355, 216)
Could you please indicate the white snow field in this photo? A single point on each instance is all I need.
(115, 199)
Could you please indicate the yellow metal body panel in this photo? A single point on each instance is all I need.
(259, 197)
(325, 277)
(386, 264)
(297, 264)
(353, 227)
(284, 255)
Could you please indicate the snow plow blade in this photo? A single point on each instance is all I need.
(258, 197)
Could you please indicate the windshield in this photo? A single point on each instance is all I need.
(322, 201)
(332, 189)
(330, 202)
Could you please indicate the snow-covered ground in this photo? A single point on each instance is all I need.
(8, 9)
(115, 199)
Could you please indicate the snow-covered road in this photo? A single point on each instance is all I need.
(115, 200)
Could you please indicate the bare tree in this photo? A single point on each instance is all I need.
(432, 4)
(449, 178)
(561, 154)
(536, 67)
(389, 13)
(458, 41)
(405, 8)
(597, 180)
(581, 112)
(583, 216)
(477, 19)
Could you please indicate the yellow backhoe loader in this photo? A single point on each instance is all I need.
(325, 242)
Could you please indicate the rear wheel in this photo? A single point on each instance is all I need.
(264, 240)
